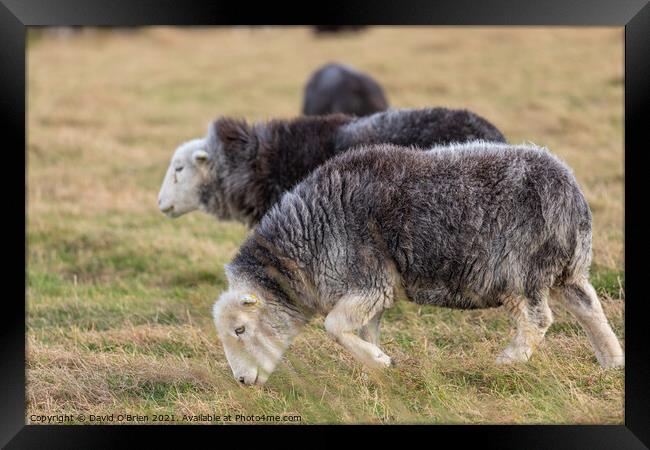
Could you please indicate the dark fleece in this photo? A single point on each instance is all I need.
(458, 227)
(251, 166)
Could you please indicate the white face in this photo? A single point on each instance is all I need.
(179, 193)
(253, 345)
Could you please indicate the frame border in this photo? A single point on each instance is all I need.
(16, 15)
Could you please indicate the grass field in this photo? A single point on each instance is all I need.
(119, 296)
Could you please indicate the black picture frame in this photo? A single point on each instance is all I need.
(634, 15)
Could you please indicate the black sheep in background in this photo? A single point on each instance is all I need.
(335, 88)
(332, 29)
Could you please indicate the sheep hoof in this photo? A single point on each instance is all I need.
(613, 362)
(506, 359)
(383, 361)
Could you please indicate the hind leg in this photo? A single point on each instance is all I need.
(581, 300)
(533, 317)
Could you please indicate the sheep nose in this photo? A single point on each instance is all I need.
(159, 201)
(167, 209)
(242, 380)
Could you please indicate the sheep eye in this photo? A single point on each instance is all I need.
(178, 169)
(240, 330)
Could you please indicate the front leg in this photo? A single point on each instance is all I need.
(370, 331)
(341, 324)
(533, 317)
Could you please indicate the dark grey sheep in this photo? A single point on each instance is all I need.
(239, 170)
(335, 88)
(476, 225)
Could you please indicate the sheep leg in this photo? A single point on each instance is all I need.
(581, 300)
(370, 331)
(533, 317)
(348, 316)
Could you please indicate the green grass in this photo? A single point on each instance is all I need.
(609, 282)
(119, 297)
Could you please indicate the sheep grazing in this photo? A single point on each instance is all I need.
(239, 170)
(476, 225)
(335, 88)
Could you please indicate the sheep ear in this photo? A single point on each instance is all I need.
(232, 131)
(200, 156)
(249, 299)
(227, 268)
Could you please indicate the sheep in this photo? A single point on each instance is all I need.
(476, 225)
(336, 29)
(335, 88)
(238, 171)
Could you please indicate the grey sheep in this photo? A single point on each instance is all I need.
(239, 170)
(476, 225)
(335, 88)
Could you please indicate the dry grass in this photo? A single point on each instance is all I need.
(119, 296)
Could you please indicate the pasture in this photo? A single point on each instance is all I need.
(119, 296)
